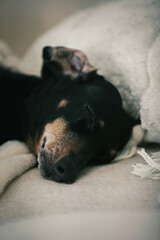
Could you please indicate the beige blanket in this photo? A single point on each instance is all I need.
(15, 159)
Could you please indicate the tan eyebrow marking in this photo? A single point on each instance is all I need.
(62, 103)
(101, 123)
(113, 152)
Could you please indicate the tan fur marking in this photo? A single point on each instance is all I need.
(55, 130)
(62, 103)
(60, 141)
(113, 152)
(101, 123)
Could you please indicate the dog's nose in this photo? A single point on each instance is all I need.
(47, 53)
(64, 170)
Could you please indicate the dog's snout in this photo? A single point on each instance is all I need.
(48, 53)
(64, 170)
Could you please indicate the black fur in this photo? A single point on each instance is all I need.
(15, 88)
(28, 103)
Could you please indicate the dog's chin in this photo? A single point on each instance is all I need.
(67, 180)
(42, 171)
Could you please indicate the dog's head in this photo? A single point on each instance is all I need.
(83, 119)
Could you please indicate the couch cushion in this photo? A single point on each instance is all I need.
(109, 187)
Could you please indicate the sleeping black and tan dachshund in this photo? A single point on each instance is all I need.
(69, 117)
